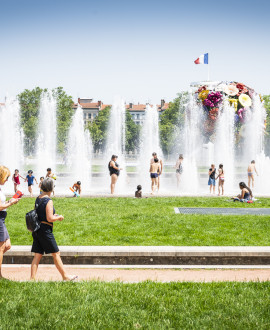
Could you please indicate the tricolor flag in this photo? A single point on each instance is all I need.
(203, 59)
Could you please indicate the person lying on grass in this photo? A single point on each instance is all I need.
(43, 238)
(245, 195)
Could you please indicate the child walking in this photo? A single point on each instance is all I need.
(16, 179)
(30, 180)
(251, 169)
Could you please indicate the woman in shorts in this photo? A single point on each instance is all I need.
(43, 238)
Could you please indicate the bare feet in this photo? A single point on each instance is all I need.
(71, 278)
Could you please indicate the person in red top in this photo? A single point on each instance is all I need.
(16, 179)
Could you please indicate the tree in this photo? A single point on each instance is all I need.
(29, 102)
(171, 122)
(132, 133)
(98, 129)
(64, 115)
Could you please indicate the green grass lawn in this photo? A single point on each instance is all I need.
(146, 305)
(148, 221)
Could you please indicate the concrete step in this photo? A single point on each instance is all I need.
(148, 255)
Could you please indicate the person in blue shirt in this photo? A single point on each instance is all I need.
(30, 180)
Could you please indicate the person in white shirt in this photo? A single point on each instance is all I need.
(5, 244)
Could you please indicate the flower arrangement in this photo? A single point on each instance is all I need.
(238, 95)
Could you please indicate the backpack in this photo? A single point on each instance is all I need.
(32, 221)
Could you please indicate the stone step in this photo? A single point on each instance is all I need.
(148, 255)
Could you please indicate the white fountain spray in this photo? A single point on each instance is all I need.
(254, 145)
(79, 151)
(11, 137)
(224, 145)
(192, 138)
(46, 142)
(149, 143)
(116, 138)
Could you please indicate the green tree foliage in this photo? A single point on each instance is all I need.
(98, 129)
(132, 133)
(171, 121)
(64, 115)
(29, 102)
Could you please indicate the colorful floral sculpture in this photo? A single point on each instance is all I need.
(237, 94)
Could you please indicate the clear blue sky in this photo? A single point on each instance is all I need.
(142, 50)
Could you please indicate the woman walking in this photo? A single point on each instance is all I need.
(43, 238)
(114, 170)
(5, 244)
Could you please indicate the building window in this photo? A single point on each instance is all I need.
(89, 116)
(138, 116)
(84, 116)
(94, 115)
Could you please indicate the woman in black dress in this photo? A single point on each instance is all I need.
(43, 238)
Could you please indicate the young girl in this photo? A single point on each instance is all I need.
(16, 179)
(245, 195)
(221, 179)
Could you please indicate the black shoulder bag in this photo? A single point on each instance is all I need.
(32, 221)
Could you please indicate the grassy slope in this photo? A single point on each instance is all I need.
(152, 221)
(148, 305)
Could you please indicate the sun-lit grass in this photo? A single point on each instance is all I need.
(147, 305)
(147, 221)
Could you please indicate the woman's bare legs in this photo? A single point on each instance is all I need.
(114, 178)
(60, 267)
(34, 265)
(4, 247)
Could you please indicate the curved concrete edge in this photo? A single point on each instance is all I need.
(150, 251)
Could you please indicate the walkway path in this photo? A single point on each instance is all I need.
(47, 273)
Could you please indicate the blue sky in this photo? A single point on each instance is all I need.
(141, 50)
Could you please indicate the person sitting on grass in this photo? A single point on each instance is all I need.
(245, 195)
(77, 187)
(138, 192)
(43, 238)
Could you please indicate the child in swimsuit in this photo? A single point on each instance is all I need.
(138, 192)
(251, 169)
(16, 179)
(30, 180)
(40, 183)
(77, 187)
(221, 179)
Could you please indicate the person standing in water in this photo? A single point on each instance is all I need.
(221, 179)
(211, 180)
(179, 168)
(16, 179)
(154, 170)
(114, 170)
(251, 169)
(152, 161)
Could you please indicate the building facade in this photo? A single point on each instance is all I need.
(137, 111)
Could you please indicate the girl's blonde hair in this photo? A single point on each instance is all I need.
(4, 174)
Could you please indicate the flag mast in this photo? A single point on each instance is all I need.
(208, 68)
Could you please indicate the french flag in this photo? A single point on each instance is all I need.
(203, 59)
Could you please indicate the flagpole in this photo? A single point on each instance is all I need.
(208, 70)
